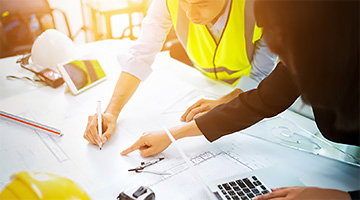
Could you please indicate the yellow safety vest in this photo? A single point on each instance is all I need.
(226, 60)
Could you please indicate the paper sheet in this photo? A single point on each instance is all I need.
(284, 132)
(104, 174)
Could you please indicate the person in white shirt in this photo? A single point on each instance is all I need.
(221, 39)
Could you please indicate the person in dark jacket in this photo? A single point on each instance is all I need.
(318, 45)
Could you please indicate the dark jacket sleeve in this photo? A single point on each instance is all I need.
(355, 195)
(273, 95)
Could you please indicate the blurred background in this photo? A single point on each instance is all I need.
(82, 20)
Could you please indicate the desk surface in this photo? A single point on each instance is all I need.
(103, 174)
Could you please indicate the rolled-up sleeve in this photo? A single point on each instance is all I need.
(154, 29)
(263, 62)
(262, 65)
(274, 94)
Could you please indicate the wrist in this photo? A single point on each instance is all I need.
(334, 194)
(186, 130)
(230, 96)
(111, 113)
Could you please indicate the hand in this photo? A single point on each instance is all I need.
(199, 108)
(108, 127)
(205, 105)
(150, 143)
(304, 193)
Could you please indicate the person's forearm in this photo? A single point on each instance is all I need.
(186, 130)
(124, 89)
(230, 96)
(274, 94)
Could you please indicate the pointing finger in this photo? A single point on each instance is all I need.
(137, 145)
(146, 152)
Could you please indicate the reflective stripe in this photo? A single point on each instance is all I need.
(219, 69)
(231, 81)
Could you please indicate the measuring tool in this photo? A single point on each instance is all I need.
(31, 124)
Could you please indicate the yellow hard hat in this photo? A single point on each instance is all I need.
(25, 185)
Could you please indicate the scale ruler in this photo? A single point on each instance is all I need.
(31, 124)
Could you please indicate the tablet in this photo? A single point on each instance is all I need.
(80, 75)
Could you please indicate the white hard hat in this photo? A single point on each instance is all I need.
(52, 48)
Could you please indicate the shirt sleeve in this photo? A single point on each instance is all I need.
(274, 94)
(262, 65)
(154, 29)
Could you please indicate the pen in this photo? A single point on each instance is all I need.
(146, 164)
(99, 122)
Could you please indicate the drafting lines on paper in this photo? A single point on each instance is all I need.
(215, 161)
(22, 148)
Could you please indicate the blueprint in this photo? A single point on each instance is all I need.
(71, 156)
(106, 172)
(160, 101)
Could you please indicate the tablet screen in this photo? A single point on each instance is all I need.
(84, 72)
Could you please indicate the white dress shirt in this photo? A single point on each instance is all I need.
(217, 28)
(155, 27)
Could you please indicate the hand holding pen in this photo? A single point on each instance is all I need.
(108, 127)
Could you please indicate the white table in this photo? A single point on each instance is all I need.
(160, 100)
